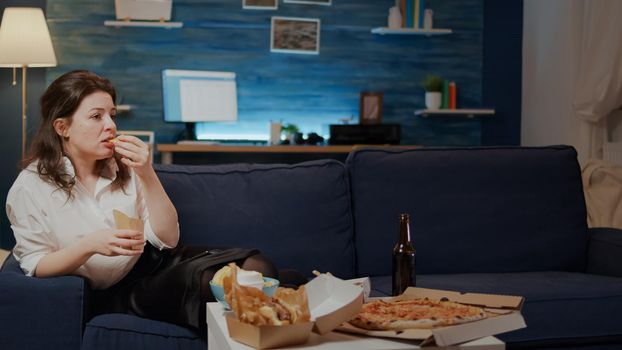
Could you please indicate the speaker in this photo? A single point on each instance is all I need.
(380, 134)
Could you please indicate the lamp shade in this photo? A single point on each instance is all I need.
(25, 39)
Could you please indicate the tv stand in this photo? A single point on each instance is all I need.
(315, 152)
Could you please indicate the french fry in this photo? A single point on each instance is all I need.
(250, 305)
(317, 273)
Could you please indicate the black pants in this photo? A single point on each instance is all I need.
(173, 285)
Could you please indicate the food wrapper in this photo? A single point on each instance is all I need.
(124, 222)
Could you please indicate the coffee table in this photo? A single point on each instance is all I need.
(218, 339)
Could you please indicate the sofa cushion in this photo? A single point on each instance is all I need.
(558, 305)
(40, 313)
(298, 215)
(120, 331)
(498, 209)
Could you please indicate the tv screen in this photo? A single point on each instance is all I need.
(199, 96)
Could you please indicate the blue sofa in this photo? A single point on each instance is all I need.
(509, 220)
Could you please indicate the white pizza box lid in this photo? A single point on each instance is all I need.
(332, 301)
(506, 307)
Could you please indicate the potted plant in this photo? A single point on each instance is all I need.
(290, 131)
(433, 86)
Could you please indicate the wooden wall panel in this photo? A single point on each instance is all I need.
(309, 90)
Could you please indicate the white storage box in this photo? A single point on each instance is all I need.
(149, 10)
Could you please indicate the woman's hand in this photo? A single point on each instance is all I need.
(135, 153)
(111, 242)
(159, 208)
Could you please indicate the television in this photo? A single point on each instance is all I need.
(195, 96)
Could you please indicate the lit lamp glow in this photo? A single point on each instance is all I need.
(25, 42)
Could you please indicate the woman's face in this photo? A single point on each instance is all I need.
(91, 127)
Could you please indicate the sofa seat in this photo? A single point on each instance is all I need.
(584, 305)
(120, 331)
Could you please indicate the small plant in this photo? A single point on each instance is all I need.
(290, 129)
(433, 83)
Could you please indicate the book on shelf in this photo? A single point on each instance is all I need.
(452, 95)
(445, 94)
(421, 13)
(413, 13)
(409, 13)
(416, 4)
(402, 6)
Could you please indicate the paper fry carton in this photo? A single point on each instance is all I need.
(504, 310)
(364, 283)
(332, 301)
(124, 222)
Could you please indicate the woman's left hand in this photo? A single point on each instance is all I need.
(135, 153)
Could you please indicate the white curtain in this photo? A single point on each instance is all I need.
(599, 85)
(602, 184)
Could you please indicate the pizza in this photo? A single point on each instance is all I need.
(414, 313)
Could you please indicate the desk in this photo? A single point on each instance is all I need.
(167, 150)
(218, 339)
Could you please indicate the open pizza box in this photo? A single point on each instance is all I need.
(332, 301)
(503, 310)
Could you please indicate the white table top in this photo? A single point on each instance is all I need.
(218, 339)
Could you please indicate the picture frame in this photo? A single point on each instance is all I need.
(260, 4)
(309, 2)
(370, 108)
(295, 35)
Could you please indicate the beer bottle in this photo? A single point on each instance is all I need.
(403, 258)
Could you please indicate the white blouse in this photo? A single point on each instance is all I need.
(44, 221)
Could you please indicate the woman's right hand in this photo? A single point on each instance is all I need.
(112, 242)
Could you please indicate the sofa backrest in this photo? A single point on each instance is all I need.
(472, 209)
(298, 215)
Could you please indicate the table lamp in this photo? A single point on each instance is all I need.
(25, 42)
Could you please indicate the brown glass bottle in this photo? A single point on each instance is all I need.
(403, 258)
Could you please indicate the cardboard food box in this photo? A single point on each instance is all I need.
(124, 222)
(364, 283)
(332, 301)
(504, 316)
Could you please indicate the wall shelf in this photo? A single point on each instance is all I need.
(469, 113)
(167, 25)
(411, 31)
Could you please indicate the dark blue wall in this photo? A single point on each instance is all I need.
(502, 71)
(311, 91)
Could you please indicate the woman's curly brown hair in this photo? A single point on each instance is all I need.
(60, 100)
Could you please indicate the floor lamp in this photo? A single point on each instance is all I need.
(25, 42)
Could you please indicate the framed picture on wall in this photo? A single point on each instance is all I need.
(370, 109)
(309, 2)
(295, 35)
(260, 4)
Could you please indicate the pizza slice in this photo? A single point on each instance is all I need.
(416, 313)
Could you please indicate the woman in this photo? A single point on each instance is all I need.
(61, 211)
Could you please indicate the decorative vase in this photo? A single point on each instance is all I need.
(395, 18)
(433, 100)
(427, 19)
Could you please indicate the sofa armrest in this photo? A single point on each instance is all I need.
(41, 313)
(605, 252)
